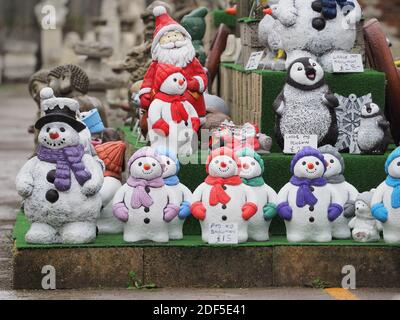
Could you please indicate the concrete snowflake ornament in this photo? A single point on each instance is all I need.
(348, 118)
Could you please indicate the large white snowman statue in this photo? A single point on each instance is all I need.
(223, 198)
(317, 29)
(386, 200)
(60, 185)
(173, 122)
(308, 204)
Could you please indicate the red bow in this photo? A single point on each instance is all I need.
(178, 111)
(218, 194)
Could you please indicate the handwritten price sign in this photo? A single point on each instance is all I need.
(223, 233)
(347, 63)
(295, 142)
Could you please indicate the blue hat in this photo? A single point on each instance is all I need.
(170, 154)
(307, 152)
(395, 154)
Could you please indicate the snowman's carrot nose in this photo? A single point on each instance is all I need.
(181, 82)
(310, 166)
(54, 135)
(246, 166)
(147, 167)
(223, 165)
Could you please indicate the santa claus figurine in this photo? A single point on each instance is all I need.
(172, 44)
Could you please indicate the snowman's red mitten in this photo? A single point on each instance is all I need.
(121, 212)
(198, 211)
(145, 100)
(163, 126)
(171, 211)
(193, 85)
(196, 124)
(249, 210)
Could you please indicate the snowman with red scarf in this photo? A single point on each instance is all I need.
(172, 120)
(223, 198)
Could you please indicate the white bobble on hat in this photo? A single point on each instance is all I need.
(47, 93)
(159, 10)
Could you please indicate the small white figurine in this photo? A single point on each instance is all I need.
(171, 180)
(60, 185)
(144, 204)
(364, 226)
(223, 198)
(251, 173)
(307, 203)
(385, 204)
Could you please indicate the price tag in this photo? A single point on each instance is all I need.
(254, 60)
(223, 233)
(347, 63)
(295, 142)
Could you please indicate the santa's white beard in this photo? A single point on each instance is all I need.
(179, 57)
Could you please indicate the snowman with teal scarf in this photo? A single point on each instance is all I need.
(386, 200)
(251, 173)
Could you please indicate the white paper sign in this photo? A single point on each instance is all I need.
(254, 60)
(295, 142)
(223, 233)
(347, 63)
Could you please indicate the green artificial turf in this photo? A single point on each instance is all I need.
(220, 16)
(116, 241)
(360, 84)
(132, 138)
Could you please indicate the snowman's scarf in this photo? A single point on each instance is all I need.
(67, 159)
(254, 182)
(178, 111)
(218, 194)
(140, 198)
(304, 194)
(339, 178)
(395, 183)
(172, 181)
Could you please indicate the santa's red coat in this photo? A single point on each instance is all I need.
(197, 84)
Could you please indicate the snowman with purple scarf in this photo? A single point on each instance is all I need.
(144, 203)
(308, 204)
(385, 205)
(172, 182)
(60, 185)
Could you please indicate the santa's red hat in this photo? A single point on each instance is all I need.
(222, 152)
(165, 23)
(163, 72)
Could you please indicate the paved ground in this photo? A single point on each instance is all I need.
(17, 112)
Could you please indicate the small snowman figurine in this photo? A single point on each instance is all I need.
(113, 155)
(144, 203)
(223, 198)
(60, 185)
(386, 200)
(251, 173)
(308, 204)
(364, 226)
(171, 180)
(172, 120)
(334, 175)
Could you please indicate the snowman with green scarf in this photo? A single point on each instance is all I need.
(183, 194)
(385, 205)
(251, 173)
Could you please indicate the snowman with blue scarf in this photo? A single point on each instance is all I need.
(385, 205)
(308, 204)
(183, 194)
(251, 173)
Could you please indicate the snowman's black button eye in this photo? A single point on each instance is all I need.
(216, 161)
(168, 163)
(48, 130)
(253, 164)
(398, 164)
(332, 161)
(317, 163)
(175, 79)
(299, 69)
(140, 164)
(154, 164)
(304, 163)
(230, 162)
(62, 129)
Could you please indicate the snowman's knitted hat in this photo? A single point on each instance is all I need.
(170, 154)
(366, 197)
(395, 154)
(163, 72)
(328, 149)
(247, 152)
(146, 152)
(113, 156)
(58, 110)
(307, 152)
(222, 152)
(164, 24)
